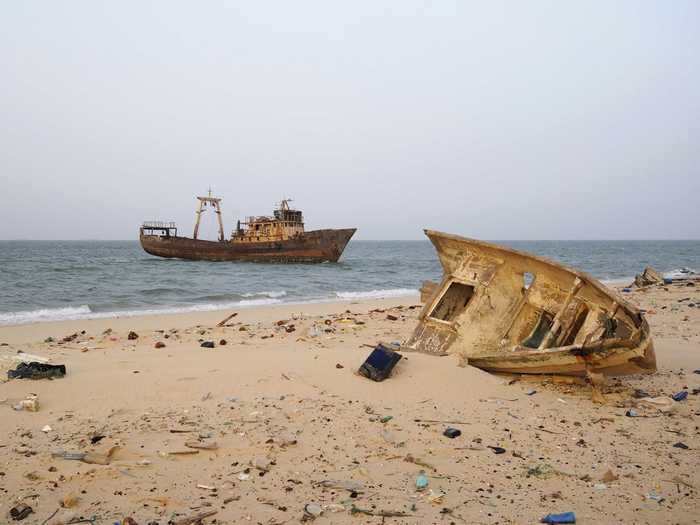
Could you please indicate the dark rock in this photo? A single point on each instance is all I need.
(452, 432)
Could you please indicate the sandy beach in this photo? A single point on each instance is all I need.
(275, 417)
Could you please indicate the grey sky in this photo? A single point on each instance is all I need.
(497, 120)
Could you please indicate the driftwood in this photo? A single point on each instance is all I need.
(196, 518)
(380, 513)
(222, 323)
(203, 445)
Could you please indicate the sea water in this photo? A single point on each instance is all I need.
(56, 280)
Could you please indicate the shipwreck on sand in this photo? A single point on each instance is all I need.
(507, 311)
(279, 238)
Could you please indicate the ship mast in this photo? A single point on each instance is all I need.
(214, 203)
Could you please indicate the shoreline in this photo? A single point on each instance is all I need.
(248, 314)
(267, 299)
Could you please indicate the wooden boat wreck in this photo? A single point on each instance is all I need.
(279, 238)
(507, 311)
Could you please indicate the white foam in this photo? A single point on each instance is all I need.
(680, 273)
(255, 299)
(378, 294)
(271, 295)
(84, 312)
(45, 314)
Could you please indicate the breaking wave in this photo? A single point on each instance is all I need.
(378, 294)
(84, 312)
(271, 295)
(45, 314)
(680, 273)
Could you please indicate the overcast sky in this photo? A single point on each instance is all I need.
(495, 120)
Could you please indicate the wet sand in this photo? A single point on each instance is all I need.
(289, 422)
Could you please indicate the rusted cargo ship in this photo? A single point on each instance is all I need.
(277, 238)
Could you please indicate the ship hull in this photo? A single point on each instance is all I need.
(310, 247)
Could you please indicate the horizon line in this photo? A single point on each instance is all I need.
(400, 240)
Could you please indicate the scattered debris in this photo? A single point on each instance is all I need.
(379, 513)
(653, 496)
(30, 404)
(20, 511)
(312, 511)
(379, 363)
(609, 477)
(648, 277)
(69, 501)
(681, 445)
(564, 517)
(201, 445)
(421, 481)
(195, 518)
(36, 370)
(93, 458)
(680, 396)
(132, 336)
(207, 344)
(159, 344)
(227, 319)
(452, 432)
(350, 486)
(417, 461)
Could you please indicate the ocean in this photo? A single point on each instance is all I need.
(57, 280)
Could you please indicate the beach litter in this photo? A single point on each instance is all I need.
(30, 404)
(349, 485)
(653, 496)
(379, 364)
(227, 319)
(421, 481)
(92, 458)
(64, 518)
(207, 344)
(194, 519)
(564, 517)
(680, 396)
(312, 511)
(132, 336)
(20, 511)
(37, 370)
(452, 432)
(202, 445)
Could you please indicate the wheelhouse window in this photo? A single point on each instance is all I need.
(453, 302)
